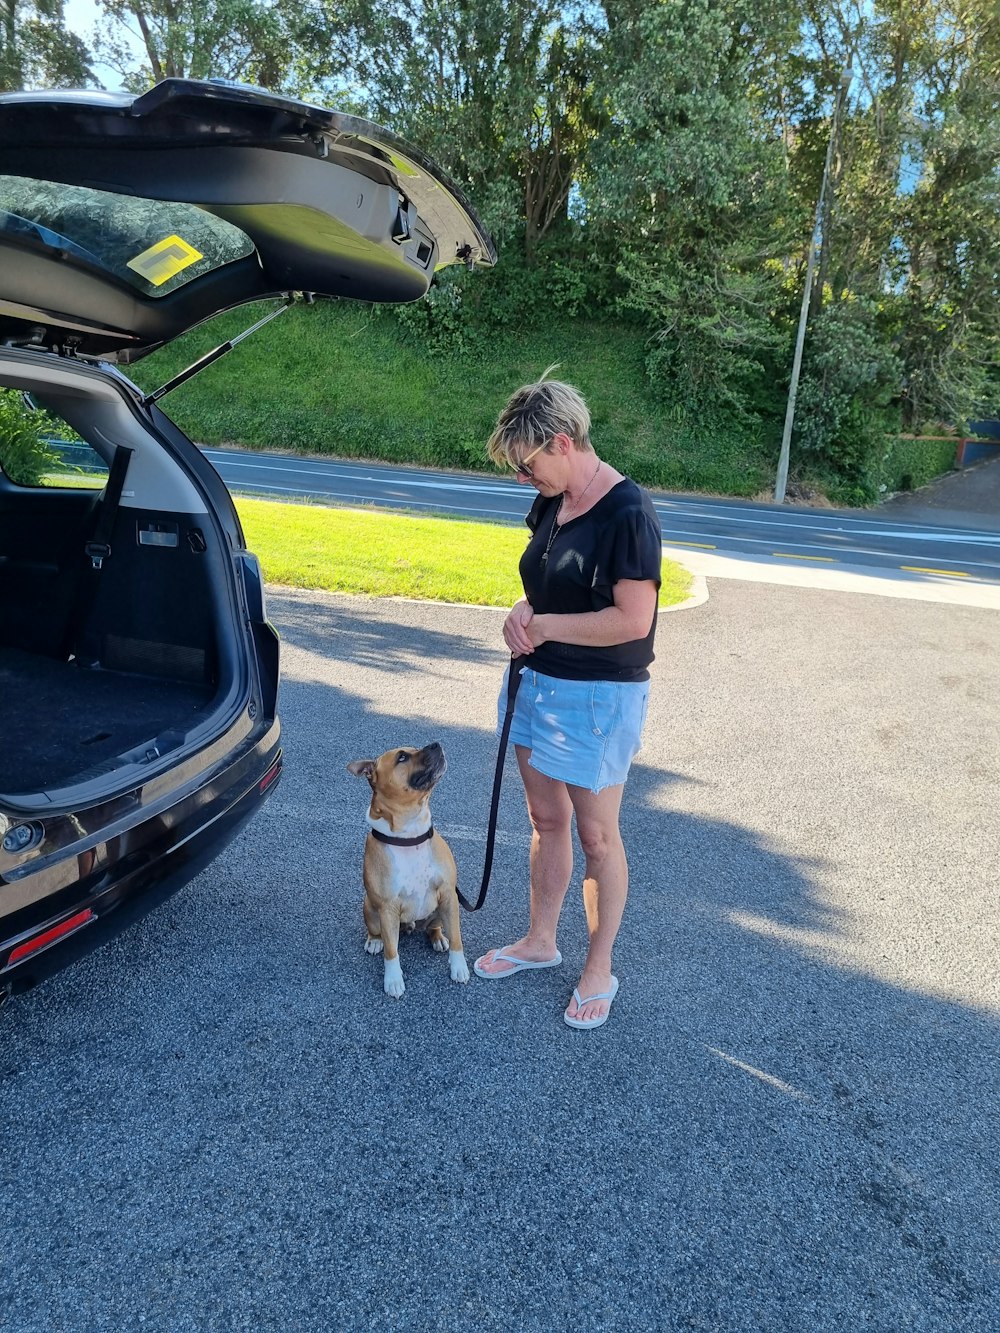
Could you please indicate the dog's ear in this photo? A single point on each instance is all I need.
(362, 768)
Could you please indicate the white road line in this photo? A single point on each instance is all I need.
(934, 535)
(834, 523)
(371, 502)
(669, 509)
(769, 1079)
(842, 551)
(354, 476)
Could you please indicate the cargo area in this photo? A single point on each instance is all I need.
(63, 723)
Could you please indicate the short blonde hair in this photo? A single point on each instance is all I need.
(534, 414)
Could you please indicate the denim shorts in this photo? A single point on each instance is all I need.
(583, 732)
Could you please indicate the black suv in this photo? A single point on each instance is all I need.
(138, 671)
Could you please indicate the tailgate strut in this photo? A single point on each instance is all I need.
(221, 350)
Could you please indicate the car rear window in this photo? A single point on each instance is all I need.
(153, 246)
(38, 448)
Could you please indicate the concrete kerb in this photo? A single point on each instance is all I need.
(844, 578)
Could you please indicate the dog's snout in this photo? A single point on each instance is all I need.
(429, 767)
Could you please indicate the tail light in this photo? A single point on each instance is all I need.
(50, 936)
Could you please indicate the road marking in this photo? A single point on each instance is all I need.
(827, 521)
(973, 537)
(794, 555)
(331, 470)
(770, 1079)
(822, 520)
(847, 552)
(702, 546)
(949, 573)
(364, 501)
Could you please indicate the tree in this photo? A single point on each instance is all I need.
(947, 263)
(244, 40)
(686, 189)
(916, 222)
(36, 50)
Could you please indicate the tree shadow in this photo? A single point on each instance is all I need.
(357, 631)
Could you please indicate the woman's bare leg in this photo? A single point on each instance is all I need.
(605, 888)
(550, 863)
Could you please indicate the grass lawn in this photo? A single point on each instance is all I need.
(394, 555)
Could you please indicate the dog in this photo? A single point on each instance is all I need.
(409, 872)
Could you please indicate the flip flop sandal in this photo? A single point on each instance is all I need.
(601, 1019)
(519, 965)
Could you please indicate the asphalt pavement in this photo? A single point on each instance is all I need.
(219, 1122)
(966, 498)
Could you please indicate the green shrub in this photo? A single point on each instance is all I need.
(463, 313)
(24, 455)
(912, 463)
(898, 464)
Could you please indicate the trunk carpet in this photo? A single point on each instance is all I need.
(59, 721)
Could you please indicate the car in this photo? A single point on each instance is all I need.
(138, 670)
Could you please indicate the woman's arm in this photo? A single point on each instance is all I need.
(629, 619)
(515, 633)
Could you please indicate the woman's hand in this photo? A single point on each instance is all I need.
(516, 633)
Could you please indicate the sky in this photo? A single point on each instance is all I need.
(80, 16)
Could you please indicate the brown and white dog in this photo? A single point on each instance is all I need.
(409, 871)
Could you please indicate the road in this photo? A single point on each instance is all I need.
(219, 1122)
(826, 539)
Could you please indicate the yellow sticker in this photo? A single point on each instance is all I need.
(164, 259)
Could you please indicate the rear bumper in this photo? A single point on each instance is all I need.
(156, 859)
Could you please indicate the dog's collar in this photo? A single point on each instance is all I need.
(402, 842)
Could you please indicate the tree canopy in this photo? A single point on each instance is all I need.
(37, 49)
(661, 162)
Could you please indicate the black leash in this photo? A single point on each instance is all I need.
(513, 681)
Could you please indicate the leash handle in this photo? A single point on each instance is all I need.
(513, 682)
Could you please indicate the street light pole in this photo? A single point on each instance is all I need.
(800, 337)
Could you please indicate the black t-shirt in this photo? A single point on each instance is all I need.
(618, 538)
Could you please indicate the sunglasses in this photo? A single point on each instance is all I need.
(522, 468)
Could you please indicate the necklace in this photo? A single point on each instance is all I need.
(584, 491)
(555, 517)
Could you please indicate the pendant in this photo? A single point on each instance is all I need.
(552, 536)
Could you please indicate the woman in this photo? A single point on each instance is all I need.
(591, 574)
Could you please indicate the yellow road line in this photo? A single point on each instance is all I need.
(792, 555)
(702, 546)
(950, 573)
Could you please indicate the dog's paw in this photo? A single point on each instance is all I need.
(393, 978)
(373, 944)
(457, 965)
(440, 943)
